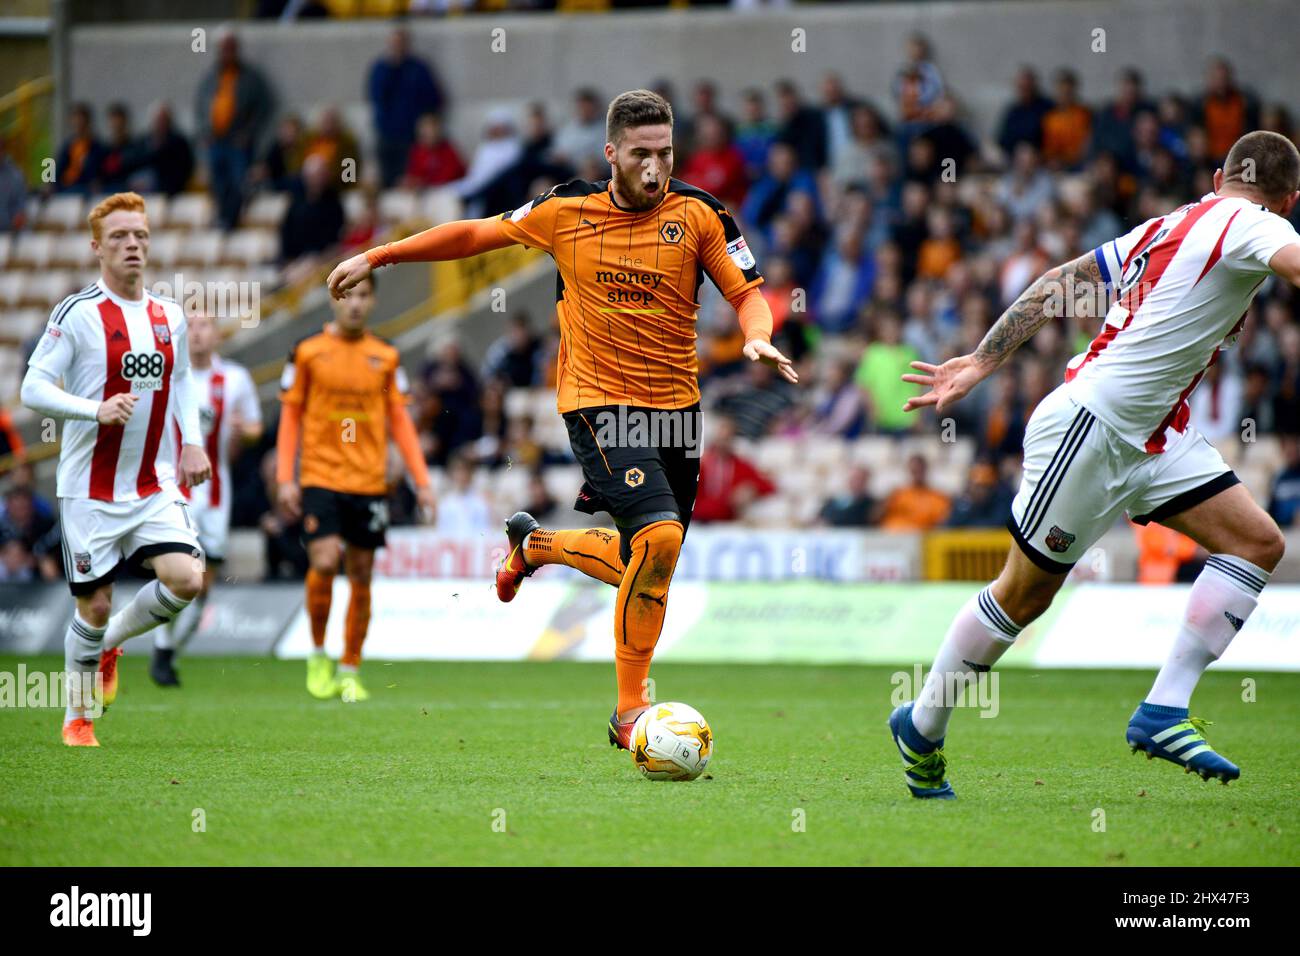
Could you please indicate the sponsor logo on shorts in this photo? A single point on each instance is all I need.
(310, 524)
(81, 560)
(1058, 540)
(634, 477)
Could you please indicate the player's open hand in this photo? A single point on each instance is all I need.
(427, 504)
(195, 468)
(117, 410)
(347, 274)
(756, 350)
(289, 498)
(948, 383)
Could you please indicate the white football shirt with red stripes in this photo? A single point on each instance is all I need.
(103, 345)
(225, 393)
(1181, 285)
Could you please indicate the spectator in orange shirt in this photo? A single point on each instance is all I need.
(11, 442)
(332, 142)
(1163, 554)
(1227, 111)
(1067, 125)
(232, 107)
(916, 506)
(940, 251)
(78, 161)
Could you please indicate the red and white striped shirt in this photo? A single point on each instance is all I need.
(1182, 284)
(102, 345)
(225, 393)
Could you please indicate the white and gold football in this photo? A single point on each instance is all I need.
(671, 741)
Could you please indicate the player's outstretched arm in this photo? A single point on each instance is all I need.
(756, 322)
(451, 240)
(954, 379)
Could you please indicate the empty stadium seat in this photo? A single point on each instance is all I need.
(354, 204)
(190, 211)
(18, 326)
(33, 250)
(249, 247)
(165, 248)
(201, 247)
(155, 207)
(72, 249)
(11, 288)
(45, 289)
(398, 205)
(62, 212)
(440, 205)
(265, 210)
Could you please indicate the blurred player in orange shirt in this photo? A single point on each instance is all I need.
(631, 252)
(343, 394)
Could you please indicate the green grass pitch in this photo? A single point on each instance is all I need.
(421, 773)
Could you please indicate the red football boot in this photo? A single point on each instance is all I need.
(620, 735)
(514, 568)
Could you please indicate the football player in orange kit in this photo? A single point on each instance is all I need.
(343, 395)
(631, 252)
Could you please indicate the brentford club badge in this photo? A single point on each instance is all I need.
(1058, 540)
(162, 333)
(82, 561)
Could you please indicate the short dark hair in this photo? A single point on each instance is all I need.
(1264, 161)
(636, 108)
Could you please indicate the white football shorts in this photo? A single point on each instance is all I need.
(213, 526)
(100, 536)
(1079, 476)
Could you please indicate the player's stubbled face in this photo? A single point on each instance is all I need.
(123, 246)
(643, 164)
(351, 311)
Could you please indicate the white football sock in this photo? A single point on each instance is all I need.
(1222, 597)
(152, 605)
(174, 636)
(82, 646)
(980, 634)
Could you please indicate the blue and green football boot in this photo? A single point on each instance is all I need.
(924, 762)
(1168, 733)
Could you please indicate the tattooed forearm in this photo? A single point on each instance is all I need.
(1027, 314)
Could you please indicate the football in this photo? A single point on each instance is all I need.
(671, 741)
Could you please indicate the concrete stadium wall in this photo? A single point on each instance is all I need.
(978, 46)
